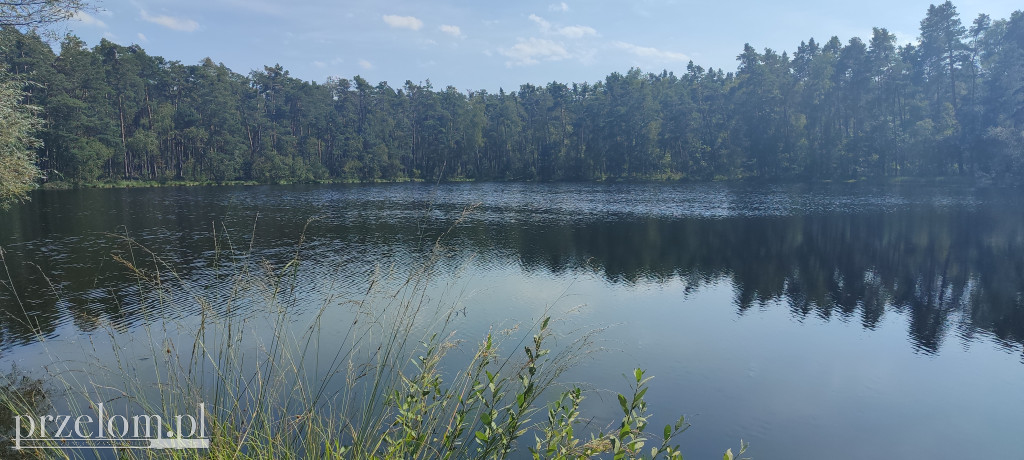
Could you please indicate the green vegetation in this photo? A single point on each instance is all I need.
(353, 379)
(38, 13)
(949, 105)
(18, 121)
(18, 171)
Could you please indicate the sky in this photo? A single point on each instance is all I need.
(474, 44)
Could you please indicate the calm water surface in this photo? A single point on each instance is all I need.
(836, 321)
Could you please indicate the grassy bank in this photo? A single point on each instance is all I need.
(279, 379)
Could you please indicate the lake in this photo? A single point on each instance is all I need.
(845, 321)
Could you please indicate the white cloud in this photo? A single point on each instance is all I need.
(454, 31)
(558, 7)
(143, 37)
(533, 50)
(403, 22)
(576, 31)
(544, 25)
(365, 64)
(86, 18)
(332, 63)
(170, 22)
(648, 52)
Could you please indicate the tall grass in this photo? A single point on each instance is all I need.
(280, 381)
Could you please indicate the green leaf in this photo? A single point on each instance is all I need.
(624, 404)
(481, 436)
(639, 373)
(668, 431)
(728, 455)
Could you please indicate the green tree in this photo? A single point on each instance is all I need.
(18, 170)
(18, 122)
(951, 104)
(1004, 98)
(37, 13)
(942, 51)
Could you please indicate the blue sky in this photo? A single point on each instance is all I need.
(486, 44)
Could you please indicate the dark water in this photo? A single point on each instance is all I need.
(837, 321)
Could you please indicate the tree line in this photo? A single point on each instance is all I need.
(951, 104)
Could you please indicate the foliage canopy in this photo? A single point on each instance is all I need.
(951, 104)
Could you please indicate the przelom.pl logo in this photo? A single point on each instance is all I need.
(107, 431)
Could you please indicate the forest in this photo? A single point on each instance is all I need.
(951, 104)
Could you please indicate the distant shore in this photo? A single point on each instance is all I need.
(68, 185)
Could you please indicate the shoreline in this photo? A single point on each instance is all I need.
(887, 180)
